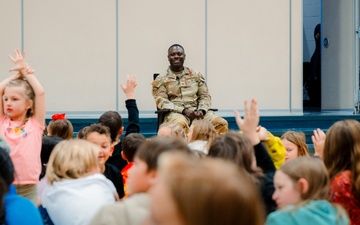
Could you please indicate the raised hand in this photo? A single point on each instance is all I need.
(19, 62)
(262, 133)
(250, 122)
(129, 88)
(318, 140)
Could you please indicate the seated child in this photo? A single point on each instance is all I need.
(15, 209)
(246, 150)
(203, 192)
(61, 127)
(171, 130)
(130, 144)
(113, 121)
(100, 135)
(82, 132)
(340, 150)
(301, 194)
(135, 209)
(47, 146)
(295, 144)
(76, 190)
(201, 134)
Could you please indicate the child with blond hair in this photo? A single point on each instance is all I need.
(201, 134)
(169, 129)
(22, 120)
(76, 189)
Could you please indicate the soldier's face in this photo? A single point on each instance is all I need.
(176, 57)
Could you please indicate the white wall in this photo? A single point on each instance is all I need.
(82, 49)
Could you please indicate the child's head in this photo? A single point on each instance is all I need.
(300, 180)
(3, 192)
(47, 146)
(171, 130)
(237, 148)
(203, 192)
(7, 170)
(72, 159)
(100, 135)
(82, 132)
(61, 127)
(113, 121)
(130, 144)
(201, 130)
(342, 150)
(295, 144)
(143, 172)
(19, 99)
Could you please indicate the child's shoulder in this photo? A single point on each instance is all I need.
(321, 211)
(32, 121)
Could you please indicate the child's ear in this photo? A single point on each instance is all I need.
(121, 131)
(123, 156)
(303, 185)
(29, 104)
(112, 150)
(152, 175)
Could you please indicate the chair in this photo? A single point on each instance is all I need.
(161, 113)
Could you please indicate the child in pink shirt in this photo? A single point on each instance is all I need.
(22, 119)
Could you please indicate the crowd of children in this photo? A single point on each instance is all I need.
(197, 178)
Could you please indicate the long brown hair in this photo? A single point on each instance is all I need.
(237, 148)
(342, 150)
(210, 191)
(314, 172)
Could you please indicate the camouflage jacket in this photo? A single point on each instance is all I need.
(186, 90)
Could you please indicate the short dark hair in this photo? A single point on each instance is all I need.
(82, 132)
(113, 121)
(97, 128)
(47, 146)
(150, 150)
(7, 170)
(176, 45)
(130, 144)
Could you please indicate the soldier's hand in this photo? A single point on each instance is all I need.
(199, 114)
(189, 114)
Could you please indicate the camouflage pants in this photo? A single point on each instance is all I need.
(220, 124)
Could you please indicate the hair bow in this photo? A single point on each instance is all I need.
(58, 116)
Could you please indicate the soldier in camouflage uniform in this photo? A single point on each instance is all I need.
(184, 92)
